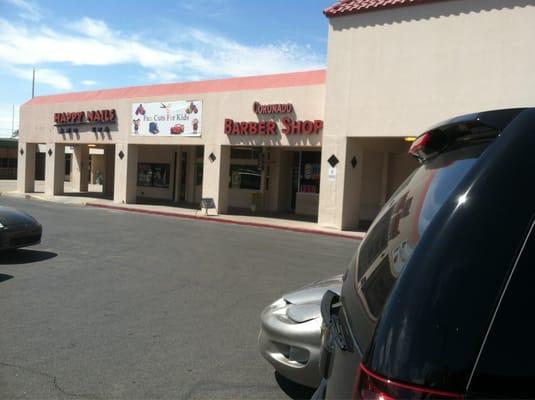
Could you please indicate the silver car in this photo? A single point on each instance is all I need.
(290, 334)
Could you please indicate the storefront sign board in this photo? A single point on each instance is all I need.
(177, 118)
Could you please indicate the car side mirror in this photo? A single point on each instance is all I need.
(327, 301)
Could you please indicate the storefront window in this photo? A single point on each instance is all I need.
(8, 163)
(68, 164)
(199, 171)
(245, 153)
(310, 172)
(153, 175)
(244, 177)
(199, 151)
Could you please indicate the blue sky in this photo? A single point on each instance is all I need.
(96, 44)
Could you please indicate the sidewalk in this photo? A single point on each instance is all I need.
(7, 188)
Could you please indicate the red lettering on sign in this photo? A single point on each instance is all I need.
(243, 128)
(318, 125)
(236, 129)
(308, 127)
(278, 108)
(79, 117)
(271, 128)
(289, 127)
(296, 127)
(229, 124)
(286, 125)
(262, 128)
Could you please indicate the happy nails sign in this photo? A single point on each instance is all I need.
(85, 117)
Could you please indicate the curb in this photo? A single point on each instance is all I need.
(224, 221)
(33, 196)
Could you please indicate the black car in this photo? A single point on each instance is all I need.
(18, 229)
(438, 301)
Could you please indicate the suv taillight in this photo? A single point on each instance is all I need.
(370, 386)
(418, 148)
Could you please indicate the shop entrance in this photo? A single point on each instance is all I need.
(274, 181)
(170, 175)
(305, 182)
(90, 170)
(72, 170)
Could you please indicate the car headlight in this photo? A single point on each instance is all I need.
(280, 303)
(279, 309)
(2, 226)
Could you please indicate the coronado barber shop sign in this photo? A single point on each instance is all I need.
(85, 117)
(289, 125)
(272, 108)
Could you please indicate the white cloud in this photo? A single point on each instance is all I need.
(88, 82)
(27, 9)
(93, 28)
(45, 76)
(200, 54)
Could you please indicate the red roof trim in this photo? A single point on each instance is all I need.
(346, 7)
(307, 78)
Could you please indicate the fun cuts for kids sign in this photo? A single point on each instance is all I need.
(177, 118)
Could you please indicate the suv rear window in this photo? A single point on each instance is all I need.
(396, 231)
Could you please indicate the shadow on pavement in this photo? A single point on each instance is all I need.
(24, 256)
(292, 389)
(5, 277)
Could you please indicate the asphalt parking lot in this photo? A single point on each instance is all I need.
(130, 306)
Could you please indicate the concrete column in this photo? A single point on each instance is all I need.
(176, 174)
(125, 177)
(80, 168)
(216, 175)
(340, 195)
(26, 167)
(353, 185)
(190, 174)
(272, 197)
(54, 169)
(109, 169)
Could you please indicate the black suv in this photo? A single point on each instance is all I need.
(436, 304)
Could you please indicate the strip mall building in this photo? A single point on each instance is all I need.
(328, 144)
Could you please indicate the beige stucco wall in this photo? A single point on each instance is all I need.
(397, 71)
(355, 194)
(37, 124)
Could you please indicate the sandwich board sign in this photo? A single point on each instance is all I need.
(207, 203)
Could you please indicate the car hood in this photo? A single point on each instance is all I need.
(314, 292)
(10, 217)
(304, 312)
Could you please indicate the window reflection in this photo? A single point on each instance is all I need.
(389, 244)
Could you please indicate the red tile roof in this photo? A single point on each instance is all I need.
(344, 7)
(306, 78)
